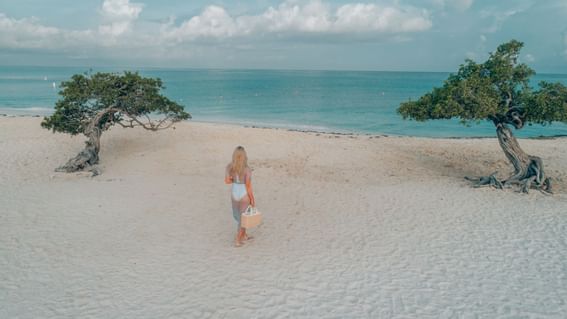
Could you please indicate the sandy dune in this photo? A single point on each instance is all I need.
(355, 227)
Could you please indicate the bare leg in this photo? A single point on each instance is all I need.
(238, 207)
(243, 205)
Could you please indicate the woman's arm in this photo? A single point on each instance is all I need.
(249, 188)
(227, 176)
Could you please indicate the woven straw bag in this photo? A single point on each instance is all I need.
(251, 217)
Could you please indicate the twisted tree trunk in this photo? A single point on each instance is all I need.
(89, 155)
(528, 170)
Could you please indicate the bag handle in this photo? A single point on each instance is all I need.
(250, 210)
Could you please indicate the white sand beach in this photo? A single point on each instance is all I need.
(355, 226)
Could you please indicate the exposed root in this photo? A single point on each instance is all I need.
(547, 186)
(523, 184)
(528, 170)
(526, 183)
(85, 159)
(485, 181)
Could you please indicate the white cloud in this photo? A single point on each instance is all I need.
(314, 17)
(28, 33)
(373, 18)
(120, 29)
(24, 33)
(213, 22)
(119, 15)
(121, 9)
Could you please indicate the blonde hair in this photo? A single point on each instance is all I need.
(239, 162)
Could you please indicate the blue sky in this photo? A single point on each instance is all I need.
(396, 35)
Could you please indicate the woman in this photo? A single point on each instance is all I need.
(239, 175)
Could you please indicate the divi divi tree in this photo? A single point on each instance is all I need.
(92, 103)
(498, 91)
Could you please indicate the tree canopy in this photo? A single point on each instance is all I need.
(127, 99)
(490, 91)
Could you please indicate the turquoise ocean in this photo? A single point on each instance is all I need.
(362, 102)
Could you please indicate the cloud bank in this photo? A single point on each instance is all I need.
(314, 18)
(120, 25)
(347, 34)
(28, 33)
(24, 33)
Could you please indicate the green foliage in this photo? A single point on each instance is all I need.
(489, 91)
(548, 104)
(125, 96)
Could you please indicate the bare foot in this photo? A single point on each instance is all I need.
(238, 240)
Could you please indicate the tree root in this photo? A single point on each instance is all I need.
(528, 170)
(524, 183)
(484, 181)
(86, 158)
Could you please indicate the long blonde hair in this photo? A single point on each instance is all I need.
(239, 162)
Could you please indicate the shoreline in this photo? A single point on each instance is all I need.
(317, 132)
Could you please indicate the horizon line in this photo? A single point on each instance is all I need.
(238, 69)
